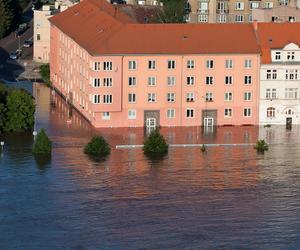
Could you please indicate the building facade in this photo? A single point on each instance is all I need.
(279, 74)
(127, 77)
(278, 14)
(232, 11)
(41, 29)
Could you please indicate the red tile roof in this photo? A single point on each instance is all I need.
(276, 36)
(98, 28)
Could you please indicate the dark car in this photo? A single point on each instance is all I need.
(14, 55)
(27, 44)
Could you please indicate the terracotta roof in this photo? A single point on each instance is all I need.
(102, 31)
(276, 36)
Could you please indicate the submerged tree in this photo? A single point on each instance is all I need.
(97, 148)
(42, 145)
(155, 144)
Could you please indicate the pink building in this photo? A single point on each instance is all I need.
(121, 74)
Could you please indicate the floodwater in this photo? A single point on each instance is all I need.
(225, 198)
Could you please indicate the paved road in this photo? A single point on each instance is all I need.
(10, 44)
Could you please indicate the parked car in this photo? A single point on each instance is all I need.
(21, 29)
(14, 55)
(27, 44)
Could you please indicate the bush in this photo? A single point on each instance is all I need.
(45, 73)
(97, 147)
(155, 144)
(261, 146)
(42, 144)
(203, 148)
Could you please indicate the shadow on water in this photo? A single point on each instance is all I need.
(43, 162)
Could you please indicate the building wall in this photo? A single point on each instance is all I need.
(73, 74)
(41, 34)
(286, 106)
(230, 12)
(278, 14)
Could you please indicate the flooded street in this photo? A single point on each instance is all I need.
(227, 197)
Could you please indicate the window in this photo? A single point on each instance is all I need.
(107, 82)
(248, 63)
(131, 114)
(96, 99)
(151, 81)
(38, 37)
(270, 93)
(248, 79)
(291, 93)
(277, 56)
(171, 80)
(228, 96)
(105, 116)
(209, 80)
(107, 66)
(190, 80)
(97, 66)
(209, 97)
(202, 18)
(228, 112)
(228, 80)
(131, 97)
(228, 64)
(291, 74)
(221, 18)
(171, 113)
(190, 97)
(107, 98)
(210, 64)
(254, 5)
(151, 97)
(151, 64)
(270, 112)
(247, 96)
(171, 64)
(132, 81)
(290, 56)
(132, 65)
(271, 74)
(239, 6)
(171, 97)
(247, 112)
(96, 82)
(239, 18)
(190, 64)
(269, 5)
(190, 113)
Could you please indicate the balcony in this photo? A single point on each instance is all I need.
(222, 11)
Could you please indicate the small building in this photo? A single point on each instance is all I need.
(279, 73)
(278, 14)
(41, 29)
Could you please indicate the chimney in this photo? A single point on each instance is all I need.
(255, 25)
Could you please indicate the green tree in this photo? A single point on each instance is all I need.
(7, 17)
(45, 73)
(3, 93)
(20, 111)
(173, 11)
(97, 147)
(2, 116)
(155, 144)
(42, 144)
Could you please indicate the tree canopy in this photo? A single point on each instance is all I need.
(173, 11)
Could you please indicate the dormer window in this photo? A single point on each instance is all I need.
(277, 56)
(290, 56)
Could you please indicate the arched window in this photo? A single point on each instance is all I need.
(270, 112)
(289, 112)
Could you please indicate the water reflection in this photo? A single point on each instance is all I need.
(227, 197)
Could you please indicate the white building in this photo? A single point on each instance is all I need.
(279, 75)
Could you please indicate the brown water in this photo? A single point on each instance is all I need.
(228, 197)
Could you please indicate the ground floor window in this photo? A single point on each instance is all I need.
(131, 114)
(270, 112)
(247, 112)
(190, 113)
(105, 116)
